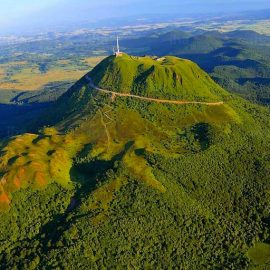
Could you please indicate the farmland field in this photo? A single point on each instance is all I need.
(31, 76)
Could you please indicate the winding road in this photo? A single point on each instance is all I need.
(166, 101)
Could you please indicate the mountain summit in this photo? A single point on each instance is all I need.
(167, 77)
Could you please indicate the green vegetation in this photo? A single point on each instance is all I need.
(260, 254)
(35, 161)
(167, 77)
(131, 184)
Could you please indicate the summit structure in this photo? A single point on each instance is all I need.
(117, 52)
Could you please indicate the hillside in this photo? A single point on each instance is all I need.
(119, 182)
(168, 77)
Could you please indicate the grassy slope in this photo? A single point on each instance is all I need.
(165, 77)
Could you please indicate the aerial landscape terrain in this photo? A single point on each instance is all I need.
(135, 139)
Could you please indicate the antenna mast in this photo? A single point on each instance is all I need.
(118, 48)
(117, 52)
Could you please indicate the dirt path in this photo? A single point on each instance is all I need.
(179, 102)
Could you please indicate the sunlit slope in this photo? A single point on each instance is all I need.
(35, 161)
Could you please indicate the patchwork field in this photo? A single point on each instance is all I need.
(31, 75)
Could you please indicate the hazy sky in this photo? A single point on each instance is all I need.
(16, 14)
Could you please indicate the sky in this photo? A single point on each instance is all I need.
(23, 15)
